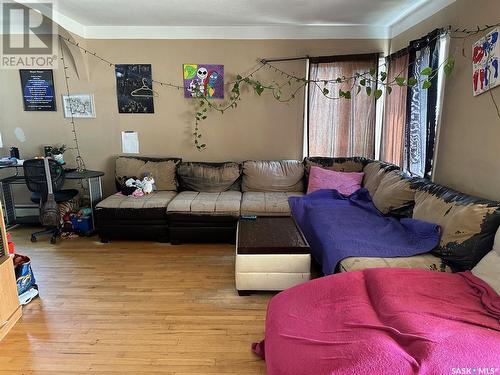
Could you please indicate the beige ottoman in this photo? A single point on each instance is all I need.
(271, 255)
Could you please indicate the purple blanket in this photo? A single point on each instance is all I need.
(338, 227)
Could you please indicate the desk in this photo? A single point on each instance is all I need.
(93, 179)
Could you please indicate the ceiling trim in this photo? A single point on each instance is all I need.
(416, 15)
(408, 19)
(238, 32)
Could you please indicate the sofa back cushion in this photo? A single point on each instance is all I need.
(354, 164)
(468, 224)
(394, 192)
(374, 173)
(162, 169)
(273, 176)
(488, 269)
(344, 182)
(209, 177)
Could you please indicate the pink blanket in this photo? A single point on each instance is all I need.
(384, 321)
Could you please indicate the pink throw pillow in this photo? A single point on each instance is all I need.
(344, 182)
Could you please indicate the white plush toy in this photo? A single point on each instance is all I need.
(148, 184)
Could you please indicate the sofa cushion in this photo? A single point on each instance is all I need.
(267, 203)
(354, 164)
(163, 170)
(209, 177)
(375, 171)
(344, 182)
(423, 261)
(119, 208)
(488, 269)
(193, 202)
(277, 176)
(393, 192)
(157, 199)
(468, 224)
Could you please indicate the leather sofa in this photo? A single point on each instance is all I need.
(199, 201)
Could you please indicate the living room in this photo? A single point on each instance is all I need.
(250, 187)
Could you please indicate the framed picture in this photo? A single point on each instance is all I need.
(203, 80)
(38, 90)
(134, 88)
(81, 105)
(485, 55)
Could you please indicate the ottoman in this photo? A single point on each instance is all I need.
(271, 255)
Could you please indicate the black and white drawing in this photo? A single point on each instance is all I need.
(134, 88)
(81, 105)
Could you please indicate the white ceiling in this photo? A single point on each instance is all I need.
(242, 18)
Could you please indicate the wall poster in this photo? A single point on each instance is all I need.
(203, 80)
(38, 89)
(485, 55)
(134, 88)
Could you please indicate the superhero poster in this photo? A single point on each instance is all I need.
(485, 55)
(203, 80)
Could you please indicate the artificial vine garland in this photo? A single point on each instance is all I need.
(372, 83)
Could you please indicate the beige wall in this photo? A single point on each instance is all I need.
(469, 149)
(260, 128)
(468, 157)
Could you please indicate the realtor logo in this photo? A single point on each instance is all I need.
(29, 37)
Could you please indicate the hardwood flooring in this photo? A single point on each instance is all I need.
(133, 308)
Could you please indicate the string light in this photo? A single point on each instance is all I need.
(366, 78)
(80, 164)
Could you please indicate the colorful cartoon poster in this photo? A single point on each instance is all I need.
(203, 80)
(485, 55)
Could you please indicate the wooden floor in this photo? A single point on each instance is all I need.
(133, 307)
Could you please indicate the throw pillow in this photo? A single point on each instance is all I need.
(468, 224)
(163, 173)
(126, 167)
(393, 192)
(344, 182)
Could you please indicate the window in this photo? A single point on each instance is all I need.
(340, 127)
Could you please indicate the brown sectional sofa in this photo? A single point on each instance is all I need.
(204, 201)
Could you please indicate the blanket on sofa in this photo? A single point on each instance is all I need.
(338, 227)
(384, 321)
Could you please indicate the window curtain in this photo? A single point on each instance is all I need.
(422, 106)
(394, 118)
(340, 127)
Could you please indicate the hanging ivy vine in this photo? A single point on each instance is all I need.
(373, 83)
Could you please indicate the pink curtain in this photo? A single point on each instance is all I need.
(394, 120)
(341, 128)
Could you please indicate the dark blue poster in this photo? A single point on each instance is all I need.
(38, 90)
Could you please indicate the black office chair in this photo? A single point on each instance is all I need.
(34, 175)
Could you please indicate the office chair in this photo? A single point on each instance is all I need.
(34, 175)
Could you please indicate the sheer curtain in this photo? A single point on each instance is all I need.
(339, 128)
(394, 118)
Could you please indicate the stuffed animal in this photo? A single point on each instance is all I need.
(129, 186)
(148, 184)
(138, 188)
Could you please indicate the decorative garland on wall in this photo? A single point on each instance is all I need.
(372, 83)
(80, 164)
